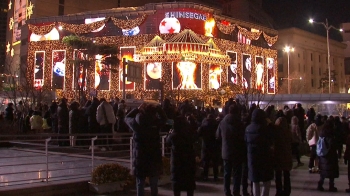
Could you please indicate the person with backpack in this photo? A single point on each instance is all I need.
(328, 158)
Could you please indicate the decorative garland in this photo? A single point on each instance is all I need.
(41, 30)
(248, 34)
(270, 40)
(87, 28)
(128, 24)
(226, 29)
(83, 28)
(229, 28)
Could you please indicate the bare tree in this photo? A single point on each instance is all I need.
(84, 59)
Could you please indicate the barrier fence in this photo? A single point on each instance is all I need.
(46, 158)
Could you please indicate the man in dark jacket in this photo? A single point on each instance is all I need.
(259, 140)
(63, 122)
(91, 113)
(210, 150)
(231, 134)
(328, 164)
(299, 112)
(145, 122)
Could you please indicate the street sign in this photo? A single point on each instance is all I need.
(134, 71)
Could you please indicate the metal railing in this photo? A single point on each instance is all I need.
(46, 158)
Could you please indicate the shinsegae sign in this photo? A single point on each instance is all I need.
(190, 15)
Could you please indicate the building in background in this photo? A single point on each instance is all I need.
(193, 46)
(21, 10)
(346, 40)
(308, 63)
(3, 30)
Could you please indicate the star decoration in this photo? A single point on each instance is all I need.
(10, 5)
(29, 10)
(12, 52)
(8, 45)
(171, 30)
(163, 23)
(11, 23)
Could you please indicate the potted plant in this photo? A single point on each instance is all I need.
(110, 177)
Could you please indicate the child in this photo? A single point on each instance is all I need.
(36, 122)
(346, 158)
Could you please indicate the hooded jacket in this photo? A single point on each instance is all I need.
(259, 140)
(147, 159)
(100, 116)
(231, 134)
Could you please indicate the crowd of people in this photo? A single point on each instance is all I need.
(253, 146)
(97, 116)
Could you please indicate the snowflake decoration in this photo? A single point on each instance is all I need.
(8, 46)
(11, 23)
(10, 5)
(29, 10)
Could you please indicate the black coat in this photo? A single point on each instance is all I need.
(231, 134)
(283, 159)
(207, 132)
(183, 163)
(90, 113)
(259, 140)
(147, 158)
(328, 164)
(63, 118)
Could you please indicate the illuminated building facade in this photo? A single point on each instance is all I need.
(189, 47)
(3, 30)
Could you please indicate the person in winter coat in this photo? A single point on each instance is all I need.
(210, 148)
(105, 117)
(9, 112)
(283, 157)
(27, 126)
(338, 135)
(328, 164)
(63, 122)
(183, 163)
(74, 119)
(259, 141)
(346, 160)
(296, 134)
(93, 126)
(312, 136)
(311, 114)
(145, 122)
(288, 113)
(233, 151)
(299, 112)
(53, 116)
(36, 122)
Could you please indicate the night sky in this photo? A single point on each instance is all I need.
(296, 13)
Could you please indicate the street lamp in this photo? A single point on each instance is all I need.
(288, 49)
(327, 27)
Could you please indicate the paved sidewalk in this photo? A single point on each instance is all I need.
(303, 184)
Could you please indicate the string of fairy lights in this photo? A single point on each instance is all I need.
(140, 41)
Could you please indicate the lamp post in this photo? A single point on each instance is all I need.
(288, 49)
(327, 27)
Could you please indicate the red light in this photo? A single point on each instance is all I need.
(224, 22)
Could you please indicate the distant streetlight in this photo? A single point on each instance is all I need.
(327, 27)
(288, 49)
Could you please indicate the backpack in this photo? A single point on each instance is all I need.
(322, 147)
